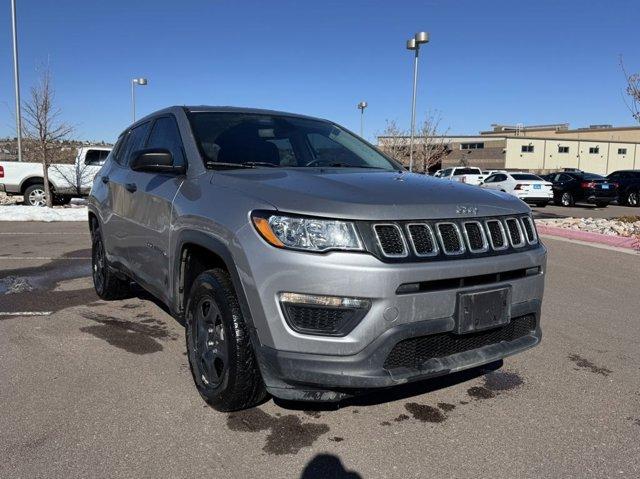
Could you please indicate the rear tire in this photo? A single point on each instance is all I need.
(567, 199)
(107, 285)
(601, 205)
(221, 356)
(542, 204)
(34, 195)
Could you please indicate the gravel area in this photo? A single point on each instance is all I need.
(9, 200)
(624, 226)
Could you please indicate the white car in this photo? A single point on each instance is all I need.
(526, 186)
(463, 174)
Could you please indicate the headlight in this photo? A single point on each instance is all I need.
(305, 233)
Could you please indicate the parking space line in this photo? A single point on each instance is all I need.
(17, 233)
(25, 313)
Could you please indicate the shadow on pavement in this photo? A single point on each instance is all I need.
(327, 466)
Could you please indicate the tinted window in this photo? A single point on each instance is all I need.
(271, 140)
(592, 176)
(564, 177)
(500, 177)
(467, 171)
(165, 134)
(490, 179)
(134, 142)
(525, 176)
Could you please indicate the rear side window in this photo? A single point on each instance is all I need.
(499, 177)
(523, 176)
(133, 142)
(95, 157)
(467, 171)
(165, 134)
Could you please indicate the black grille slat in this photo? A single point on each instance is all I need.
(413, 352)
(475, 236)
(390, 240)
(528, 230)
(451, 241)
(422, 239)
(514, 232)
(496, 233)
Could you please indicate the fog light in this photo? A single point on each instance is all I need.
(322, 315)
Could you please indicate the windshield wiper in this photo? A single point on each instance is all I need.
(224, 164)
(346, 165)
(260, 163)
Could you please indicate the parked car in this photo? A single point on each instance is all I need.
(66, 180)
(571, 187)
(304, 262)
(526, 186)
(628, 182)
(463, 174)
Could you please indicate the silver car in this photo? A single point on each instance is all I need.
(304, 262)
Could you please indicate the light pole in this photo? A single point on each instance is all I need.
(414, 44)
(361, 106)
(134, 82)
(16, 78)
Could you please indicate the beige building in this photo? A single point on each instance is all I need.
(543, 148)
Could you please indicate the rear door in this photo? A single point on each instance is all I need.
(150, 211)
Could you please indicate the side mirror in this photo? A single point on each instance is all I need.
(155, 160)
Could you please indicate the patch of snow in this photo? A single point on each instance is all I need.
(36, 213)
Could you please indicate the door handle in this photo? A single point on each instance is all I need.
(131, 187)
(105, 179)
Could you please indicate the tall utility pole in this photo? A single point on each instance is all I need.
(414, 44)
(134, 82)
(16, 78)
(361, 106)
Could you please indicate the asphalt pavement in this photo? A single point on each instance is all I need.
(103, 389)
(583, 211)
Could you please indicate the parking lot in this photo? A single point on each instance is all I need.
(96, 389)
(583, 211)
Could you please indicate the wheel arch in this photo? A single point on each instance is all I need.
(34, 180)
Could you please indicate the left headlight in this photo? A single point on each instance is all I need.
(306, 233)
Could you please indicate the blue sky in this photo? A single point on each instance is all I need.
(488, 61)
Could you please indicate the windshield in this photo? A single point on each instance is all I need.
(254, 140)
(467, 171)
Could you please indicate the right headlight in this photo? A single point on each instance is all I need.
(306, 233)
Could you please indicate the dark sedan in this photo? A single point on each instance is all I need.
(628, 186)
(571, 187)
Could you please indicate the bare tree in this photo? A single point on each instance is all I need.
(633, 91)
(75, 176)
(43, 125)
(429, 147)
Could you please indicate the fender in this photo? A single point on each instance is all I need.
(217, 247)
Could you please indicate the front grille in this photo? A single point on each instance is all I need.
(434, 240)
(476, 240)
(317, 319)
(515, 235)
(390, 240)
(413, 352)
(450, 238)
(422, 239)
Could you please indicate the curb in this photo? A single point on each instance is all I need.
(589, 237)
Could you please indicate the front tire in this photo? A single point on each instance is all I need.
(632, 198)
(107, 285)
(221, 356)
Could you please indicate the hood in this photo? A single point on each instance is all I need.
(367, 194)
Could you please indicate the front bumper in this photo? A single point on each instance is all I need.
(302, 376)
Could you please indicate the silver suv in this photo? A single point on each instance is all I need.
(304, 262)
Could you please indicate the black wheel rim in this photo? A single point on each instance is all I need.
(98, 265)
(210, 343)
(566, 199)
(633, 199)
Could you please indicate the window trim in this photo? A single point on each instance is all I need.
(171, 116)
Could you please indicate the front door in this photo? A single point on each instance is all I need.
(151, 209)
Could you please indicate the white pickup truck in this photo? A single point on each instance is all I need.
(66, 180)
(463, 174)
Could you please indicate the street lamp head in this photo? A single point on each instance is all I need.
(140, 81)
(362, 105)
(411, 44)
(421, 37)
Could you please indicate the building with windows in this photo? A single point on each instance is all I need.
(542, 148)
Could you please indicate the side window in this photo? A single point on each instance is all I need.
(134, 142)
(165, 134)
(500, 177)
